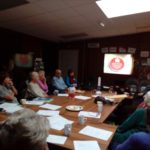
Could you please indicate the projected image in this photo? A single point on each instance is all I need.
(23, 60)
(118, 64)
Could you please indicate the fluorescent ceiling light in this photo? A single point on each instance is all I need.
(116, 8)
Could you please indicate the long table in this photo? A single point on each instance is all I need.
(88, 105)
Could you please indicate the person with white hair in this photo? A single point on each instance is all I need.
(24, 130)
(34, 88)
(146, 101)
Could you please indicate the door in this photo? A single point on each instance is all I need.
(68, 59)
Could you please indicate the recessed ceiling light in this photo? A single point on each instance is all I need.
(102, 24)
(116, 8)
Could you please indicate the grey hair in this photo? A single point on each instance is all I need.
(24, 130)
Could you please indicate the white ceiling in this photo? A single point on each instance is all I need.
(51, 19)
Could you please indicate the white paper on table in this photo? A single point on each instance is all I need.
(94, 96)
(82, 97)
(85, 145)
(48, 112)
(62, 94)
(58, 122)
(50, 106)
(109, 99)
(34, 103)
(97, 133)
(11, 107)
(89, 114)
(56, 139)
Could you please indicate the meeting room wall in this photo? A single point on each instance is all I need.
(12, 42)
(91, 59)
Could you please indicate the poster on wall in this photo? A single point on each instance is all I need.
(131, 50)
(118, 64)
(104, 50)
(93, 45)
(23, 60)
(122, 50)
(113, 49)
(144, 54)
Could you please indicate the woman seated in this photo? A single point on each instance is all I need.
(7, 88)
(42, 81)
(70, 79)
(138, 141)
(34, 88)
(24, 130)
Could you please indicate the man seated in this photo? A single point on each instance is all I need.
(24, 130)
(7, 88)
(33, 87)
(138, 141)
(58, 82)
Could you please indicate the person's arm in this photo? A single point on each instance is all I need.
(68, 82)
(132, 121)
(13, 89)
(43, 86)
(6, 94)
(56, 84)
(130, 144)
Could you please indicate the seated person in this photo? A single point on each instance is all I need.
(24, 130)
(138, 141)
(58, 82)
(136, 122)
(146, 102)
(33, 86)
(7, 88)
(42, 81)
(70, 79)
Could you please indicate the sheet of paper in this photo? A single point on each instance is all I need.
(85, 145)
(50, 106)
(34, 103)
(56, 139)
(10, 107)
(117, 96)
(94, 96)
(82, 97)
(96, 132)
(58, 122)
(89, 114)
(62, 94)
(48, 112)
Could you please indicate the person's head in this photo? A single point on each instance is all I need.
(34, 76)
(41, 74)
(5, 79)
(24, 130)
(70, 73)
(58, 73)
(147, 98)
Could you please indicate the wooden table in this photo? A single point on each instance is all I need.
(88, 105)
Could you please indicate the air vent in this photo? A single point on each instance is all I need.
(7, 4)
(73, 36)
